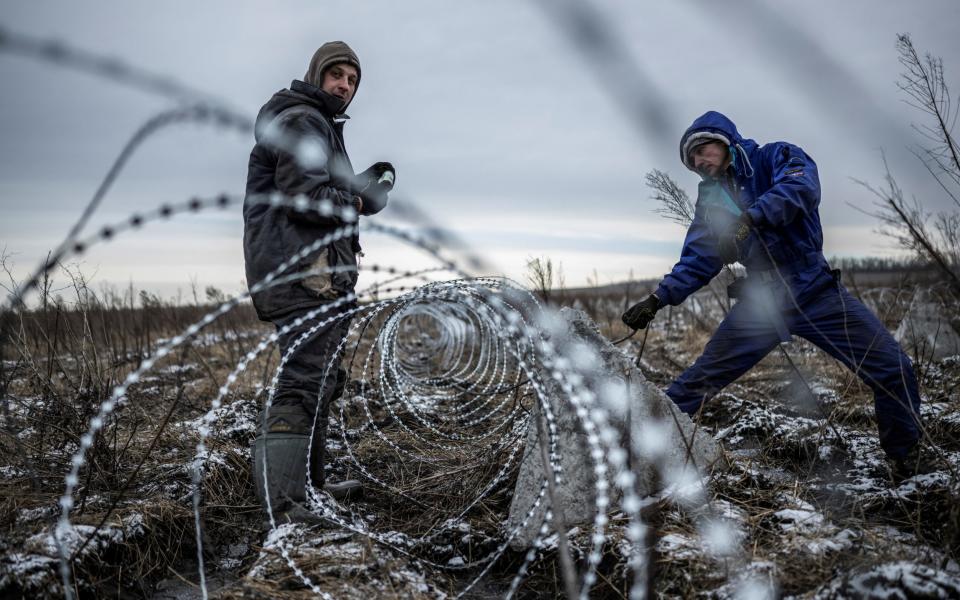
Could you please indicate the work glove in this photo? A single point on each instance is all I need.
(640, 314)
(373, 185)
(728, 243)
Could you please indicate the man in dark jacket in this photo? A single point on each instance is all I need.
(300, 158)
(758, 205)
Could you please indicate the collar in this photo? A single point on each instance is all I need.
(329, 105)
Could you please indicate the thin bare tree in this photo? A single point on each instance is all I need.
(675, 204)
(923, 82)
(544, 279)
(932, 237)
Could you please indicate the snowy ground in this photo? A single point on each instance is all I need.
(804, 507)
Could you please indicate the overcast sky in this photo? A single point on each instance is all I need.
(500, 125)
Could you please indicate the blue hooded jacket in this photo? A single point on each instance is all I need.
(777, 184)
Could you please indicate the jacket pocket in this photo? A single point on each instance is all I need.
(344, 256)
(320, 280)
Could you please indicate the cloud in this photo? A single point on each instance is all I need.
(517, 145)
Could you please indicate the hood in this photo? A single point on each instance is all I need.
(299, 93)
(327, 55)
(716, 126)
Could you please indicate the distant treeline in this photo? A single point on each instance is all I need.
(126, 324)
(867, 264)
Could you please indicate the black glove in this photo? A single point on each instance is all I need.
(727, 244)
(373, 185)
(375, 173)
(640, 314)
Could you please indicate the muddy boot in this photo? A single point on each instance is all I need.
(284, 449)
(297, 513)
(914, 462)
(348, 489)
(344, 490)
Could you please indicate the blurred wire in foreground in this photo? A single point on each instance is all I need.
(592, 34)
(114, 69)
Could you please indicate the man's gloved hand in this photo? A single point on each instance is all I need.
(727, 245)
(373, 186)
(640, 314)
(376, 171)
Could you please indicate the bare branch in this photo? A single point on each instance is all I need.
(674, 202)
(543, 279)
(907, 225)
(923, 82)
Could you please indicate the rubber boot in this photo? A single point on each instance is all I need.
(348, 489)
(284, 448)
(914, 462)
(344, 490)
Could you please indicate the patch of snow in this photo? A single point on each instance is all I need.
(799, 520)
(11, 472)
(842, 540)
(728, 510)
(178, 368)
(395, 538)
(29, 572)
(235, 421)
(552, 542)
(228, 564)
(679, 547)
(755, 581)
(27, 433)
(39, 513)
(826, 452)
(721, 538)
(45, 544)
(894, 581)
(212, 339)
(36, 568)
(208, 458)
(759, 422)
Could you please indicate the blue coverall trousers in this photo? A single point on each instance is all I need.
(822, 311)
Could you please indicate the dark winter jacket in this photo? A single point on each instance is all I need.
(299, 151)
(778, 186)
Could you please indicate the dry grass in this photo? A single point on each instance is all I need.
(785, 450)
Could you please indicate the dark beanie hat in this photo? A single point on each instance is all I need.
(326, 56)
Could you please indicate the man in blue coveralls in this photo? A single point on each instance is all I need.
(757, 205)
